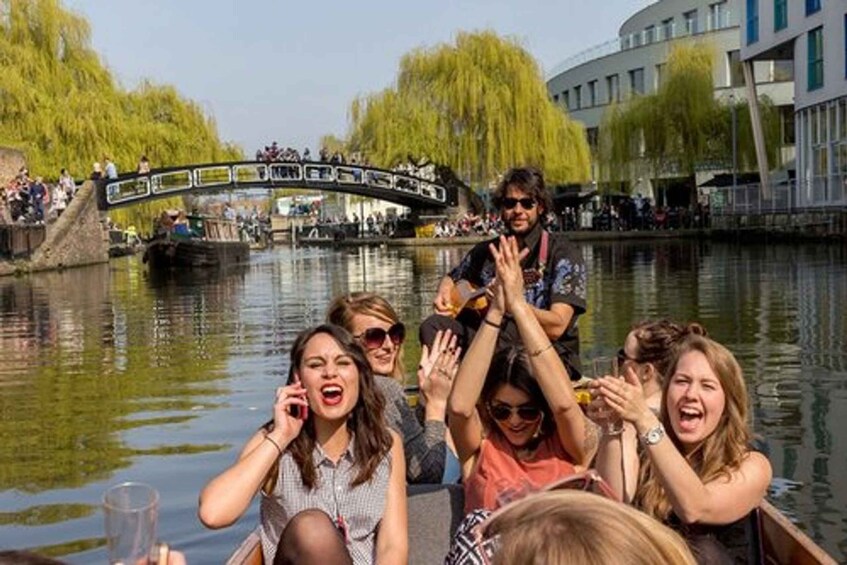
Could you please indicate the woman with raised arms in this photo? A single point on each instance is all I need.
(512, 412)
(332, 477)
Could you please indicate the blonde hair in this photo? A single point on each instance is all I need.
(724, 449)
(344, 308)
(572, 526)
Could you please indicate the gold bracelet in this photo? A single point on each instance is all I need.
(275, 444)
(538, 352)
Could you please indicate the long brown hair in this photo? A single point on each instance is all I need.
(344, 308)
(372, 441)
(724, 449)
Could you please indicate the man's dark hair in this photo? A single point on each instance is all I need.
(528, 179)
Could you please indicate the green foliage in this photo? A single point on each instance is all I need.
(681, 127)
(62, 108)
(479, 106)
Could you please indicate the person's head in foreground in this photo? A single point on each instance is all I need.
(376, 326)
(572, 526)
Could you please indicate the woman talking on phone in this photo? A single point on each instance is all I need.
(331, 476)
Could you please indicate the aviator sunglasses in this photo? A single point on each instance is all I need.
(526, 203)
(502, 412)
(375, 337)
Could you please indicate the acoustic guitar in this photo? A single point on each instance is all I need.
(466, 295)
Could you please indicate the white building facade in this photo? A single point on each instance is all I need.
(634, 62)
(812, 34)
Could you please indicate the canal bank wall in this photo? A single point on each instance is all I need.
(802, 225)
(76, 238)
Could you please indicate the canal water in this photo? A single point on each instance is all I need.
(108, 374)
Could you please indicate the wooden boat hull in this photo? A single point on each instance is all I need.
(782, 543)
(173, 253)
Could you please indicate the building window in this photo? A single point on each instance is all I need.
(592, 93)
(649, 35)
(752, 21)
(667, 29)
(592, 135)
(812, 6)
(690, 22)
(555, 99)
(660, 75)
(718, 16)
(786, 120)
(613, 87)
(736, 70)
(577, 94)
(815, 59)
(780, 14)
(783, 70)
(566, 99)
(636, 81)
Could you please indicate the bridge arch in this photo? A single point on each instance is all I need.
(397, 187)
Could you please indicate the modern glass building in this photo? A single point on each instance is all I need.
(633, 63)
(812, 34)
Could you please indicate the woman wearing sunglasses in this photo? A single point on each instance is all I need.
(513, 414)
(377, 327)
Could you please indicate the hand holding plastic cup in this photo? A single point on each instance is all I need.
(131, 511)
(608, 367)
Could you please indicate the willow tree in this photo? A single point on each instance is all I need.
(478, 106)
(62, 108)
(681, 127)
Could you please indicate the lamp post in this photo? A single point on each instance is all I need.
(734, 141)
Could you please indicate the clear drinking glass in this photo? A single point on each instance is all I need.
(131, 510)
(608, 367)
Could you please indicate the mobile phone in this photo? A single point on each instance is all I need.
(297, 411)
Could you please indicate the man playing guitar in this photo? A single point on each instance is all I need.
(554, 273)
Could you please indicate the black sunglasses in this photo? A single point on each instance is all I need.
(526, 203)
(375, 337)
(502, 412)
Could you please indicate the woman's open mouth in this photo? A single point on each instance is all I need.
(332, 395)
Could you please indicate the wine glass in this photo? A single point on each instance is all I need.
(131, 511)
(605, 367)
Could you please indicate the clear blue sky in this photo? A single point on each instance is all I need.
(287, 70)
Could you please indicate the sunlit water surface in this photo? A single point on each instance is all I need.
(109, 375)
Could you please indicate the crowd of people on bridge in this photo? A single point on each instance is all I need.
(274, 153)
(32, 200)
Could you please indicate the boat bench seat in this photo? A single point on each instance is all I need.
(435, 512)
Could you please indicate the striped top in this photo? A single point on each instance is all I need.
(360, 507)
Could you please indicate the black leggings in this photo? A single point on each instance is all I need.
(311, 537)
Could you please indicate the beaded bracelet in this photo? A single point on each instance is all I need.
(275, 444)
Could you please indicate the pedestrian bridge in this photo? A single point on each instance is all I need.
(396, 187)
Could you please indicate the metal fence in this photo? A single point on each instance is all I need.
(819, 193)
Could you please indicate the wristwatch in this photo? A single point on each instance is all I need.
(654, 435)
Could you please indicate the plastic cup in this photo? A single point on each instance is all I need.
(131, 511)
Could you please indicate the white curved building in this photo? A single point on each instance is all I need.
(633, 63)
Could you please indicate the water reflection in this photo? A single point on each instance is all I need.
(110, 374)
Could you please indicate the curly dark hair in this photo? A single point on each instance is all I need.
(372, 438)
(528, 179)
(510, 366)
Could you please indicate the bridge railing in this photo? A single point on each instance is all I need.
(138, 187)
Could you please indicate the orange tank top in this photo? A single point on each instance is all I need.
(499, 473)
